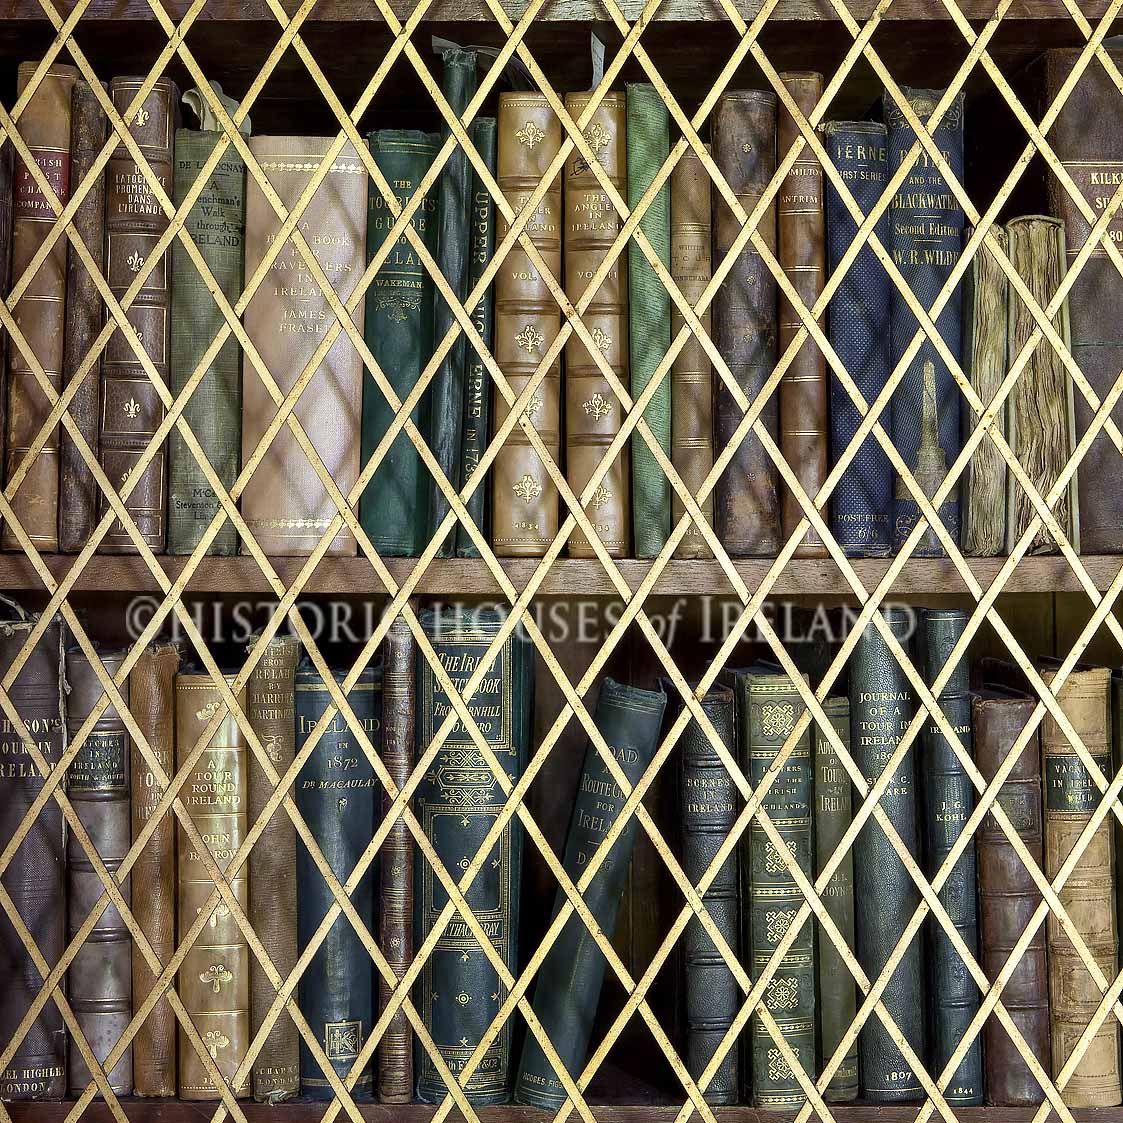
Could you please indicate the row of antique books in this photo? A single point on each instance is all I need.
(291, 320)
(987, 866)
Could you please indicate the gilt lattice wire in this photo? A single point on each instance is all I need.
(520, 600)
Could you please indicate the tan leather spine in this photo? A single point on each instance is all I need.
(40, 313)
(527, 320)
(214, 978)
(802, 243)
(285, 504)
(152, 704)
(692, 401)
(592, 412)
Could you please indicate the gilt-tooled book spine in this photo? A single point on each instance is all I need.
(99, 981)
(649, 314)
(40, 311)
(802, 252)
(524, 511)
(286, 505)
(569, 981)
(35, 877)
(746, 498)
(692, 405)
(272, 867)
(214, 977)
(769, 706)
(861, 507)
(1008, 898)
(216, 223)
(131, 409)
(592, 410)
(395, 913)
(152, 704)
(7, 167)
(925, 237)
(339, 796)
(477, 378)
(709, 810)
(949, 797)
(1117, 763)
(457, 804)
(885, 895)
(833, 815)
(399, 330)
(1071, 796)
(85, 314)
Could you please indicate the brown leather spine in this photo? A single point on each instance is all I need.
(592, 412)
(214, 977)
(40, 313)
(395, 920)
(85, 313)
(131, 409)
(746, 499)
(527, 320)
(272, 865)
(1088, 895)
(285, 505)
(99, 982)
(1008, 898)
(152, 704)
(802, 232)
(692, 405)
(7, 166)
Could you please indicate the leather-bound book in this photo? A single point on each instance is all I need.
(692, 403)
(457, 803)
(833, 813)
(35, 877)
(885, 895)
(524, 513)
(569, 981)
(339, 796)
(746, 498)
(272, 867)
(40, 311)
(285, 504)
(925, 237)
(1041, 423)
(1008, 897)
(152, 704)
(949, 797)
(395, 913)
(1071, 796)
(85, 314)
(477, 379)
(399, 330)
(7, 167)
(592, 411)
(214, 977)
(709, 809)
(649, 313)
(984, 362)
(802, 254)
(454, 217)
(99, 983)
(131, 409)
(861, 507)
(217, 225)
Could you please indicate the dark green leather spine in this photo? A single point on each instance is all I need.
(454, 217)
(458, 992)
(833, 814)
(398, 328)
(649, 315)
(477, 381)
(885, 895)
(569, 981)
(340, 798)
